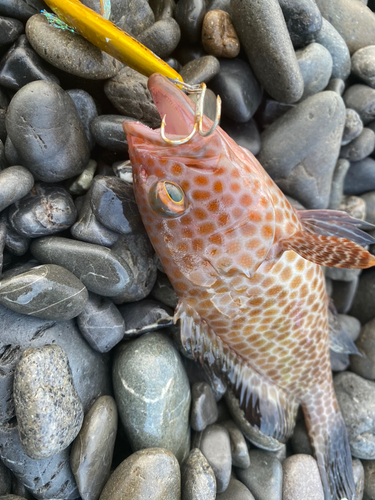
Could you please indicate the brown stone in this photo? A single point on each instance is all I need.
(219, 37)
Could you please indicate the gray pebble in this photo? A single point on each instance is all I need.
(337, 187)
(271, 111)
(152, 393)
(369, 472)
(162, 9)
(197, 478)
(361, 98)
(44, 126)
(315, 64)
(244, 134)
(300, 440)
(101, 323)
(364, 365)
(92, 450)
(240, 452)
(129, 94)
(351, 325)
(10, 152)
(15, 243)
(48, 409)
(360, 147)
(5, 480)
(360, 177)
(355, 397)
(44, 211)
(145, 316)
(203, 406)
(359, 478)
(301, 479)
(339, 361)
(271, 57)
(137, 16)
(214, 443)
(300, 149)
(218, 5)
(49, 292)
(369, 199)
(164, 291)
(189, 14)
(197, 372)
(354, 206)
(353, 20)
(353, 126)
(341, 274)
(303, 20)
(15, 183)
(331, 39)
(235, 491)
(363, 64)
(151, 473)
(10, 30)
(162, 37)
(87, 111)
(363, 304)
(200, 70)
(108, 132)
(336, 85)
(68, 51)
(100, 270)
(264, 477)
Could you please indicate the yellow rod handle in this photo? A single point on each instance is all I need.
(111, 39)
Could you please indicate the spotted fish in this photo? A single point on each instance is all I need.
(245, 265)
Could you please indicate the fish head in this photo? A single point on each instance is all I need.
(205, 204)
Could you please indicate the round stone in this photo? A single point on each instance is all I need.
(360, 177)
(244, 134)
(235, 491)
(189, 14)
(353, 126)
(360, 147)
(315, 64)
(331, 39)
(48, 409)
(361, 98)
(203, 406)
(219, 38)
(162, 37)
(197, 478)
(199, 70)
(364, 365)
(108, 132)
(363, 64)
(303, 20)
(301, 479)
(240, 452)
(10, 30)
(87, 111)
(15, 183)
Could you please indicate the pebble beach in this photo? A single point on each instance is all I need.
(98, 399)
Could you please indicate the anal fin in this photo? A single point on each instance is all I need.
(267, 407)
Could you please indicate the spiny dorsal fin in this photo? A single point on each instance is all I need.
(329, 250)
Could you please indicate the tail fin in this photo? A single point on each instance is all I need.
(329, 439)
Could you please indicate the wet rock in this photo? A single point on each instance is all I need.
(219, 38)
(369, 473)
(272, 59)
(15, 183)
(137, 16)
(361, 98)
(337, 187)
(315, 64)
(49, 292)
(238, 89)
(68, 51)
(19, 9)
(189, 14)
(101, 323)
(300, 149)
(45, 210)
(360, 147)
(200, 70)
(152, 473)
(51, 152)
(197, 478)
(100, 270)
(364, 365)
(353, 126)
(214, 443)
(263, 477)
(162, 37)
(240, 452)
(303, 20)
(47, 478)
(21, 65)
(83, 182)
(145, 316)
(245, 134)
(271, 110)
(359, 478)
(353, 20)
(151, 386)
(218, 5)
(355, 397)
(92, 450)
(6, 480)
(15, 243)
(331, 39)
(162, 9)
(108, 132)
(203, 406)
(129, 94)
(302, 479)
(48, 409)
(363, 64)
(164, 291)
(235, 491)
(360, 177)
(10, 30)
(87, 111)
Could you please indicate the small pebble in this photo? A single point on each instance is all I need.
(240, 452)
(331, 39)
(151, 473)
(162, 37)
(92, 450)
(315, 64)
(15, 183)
(364, 365)
(87, 111)
(145, 316)
(203, 406)
(108, 132)
(300, 440)
(18, 9)
(360, 177)
(10, 30)
(162, 9)
(164, 291)
(49, 411)
(137, 16)
(14, 242)
(200, 70)
(361, 98)
(303, 19)
(197, 478)
(189, 14)
(83, 182)
(302, 479)
(363, 304)
(235, 491)
(337, 188)
(101, 323)
(353, 126)
(336, 85)
(363, 64)
(219, 38)
(359, 478)
(369, 199)
(360, 147)
(369, 472)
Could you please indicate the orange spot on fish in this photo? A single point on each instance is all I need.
(176, 170)
(218, 187)
(267, 232)
(201, 180)
(206, 228)
(216, 239)
(200, 195)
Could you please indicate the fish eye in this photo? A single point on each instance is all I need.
(167, 199)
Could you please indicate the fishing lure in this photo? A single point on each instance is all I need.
(246, 267)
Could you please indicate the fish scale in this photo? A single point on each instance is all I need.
(252, 299)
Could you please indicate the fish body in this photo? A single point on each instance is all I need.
(250, 303)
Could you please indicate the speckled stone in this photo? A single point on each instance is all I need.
(15, 183)
(331, 39)
(353, 126)
(152, 394)
(49, 292)
(369, 472)
(151, 473)
(48, 409)
(363, 64)
(360, 147)
(108, 132)
(235, 491)
(219, 38)
(238, 445)
(264, 477)
(315, 64)
(301, 479)
(189, 14)
(68, 51)
(200, 70)
(303, 20)
(203, 406)
(197, 478)
(101, 323)
(92, 450)
(162, 37)
(359, 478)
(361, 98)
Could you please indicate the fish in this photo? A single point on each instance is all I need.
(246, 267)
